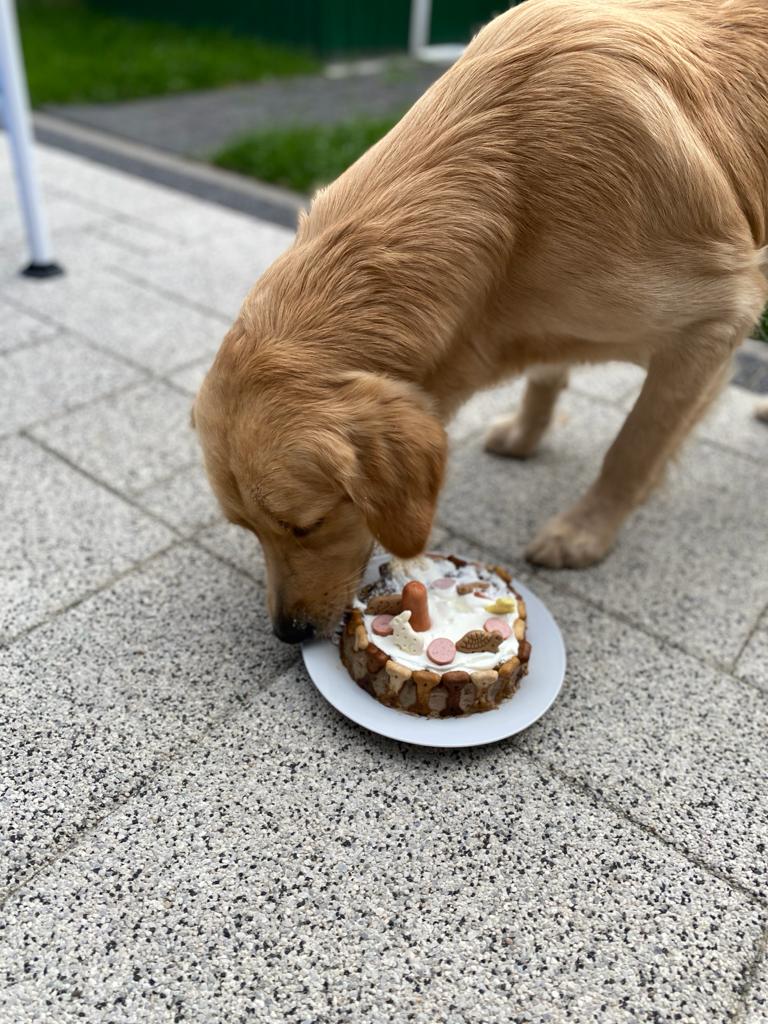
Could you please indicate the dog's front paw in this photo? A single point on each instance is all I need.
(563, 544)
(509, 437)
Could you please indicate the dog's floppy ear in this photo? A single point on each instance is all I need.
(399, 448)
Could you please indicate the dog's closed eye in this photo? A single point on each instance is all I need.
(303, 531)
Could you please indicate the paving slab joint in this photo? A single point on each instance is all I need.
(164, 762)
(598, 800)
(762, 617)
(749, 980)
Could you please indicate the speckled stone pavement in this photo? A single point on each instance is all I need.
(189, 833)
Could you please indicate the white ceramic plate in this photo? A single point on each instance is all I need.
(537, 692)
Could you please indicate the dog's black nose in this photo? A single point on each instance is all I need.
(292, 632)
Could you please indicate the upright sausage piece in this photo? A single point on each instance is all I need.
(415, 601)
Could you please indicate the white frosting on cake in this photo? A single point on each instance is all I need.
(451, 614)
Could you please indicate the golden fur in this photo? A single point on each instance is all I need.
(589, 182)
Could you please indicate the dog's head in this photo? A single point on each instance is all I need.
(318, 469)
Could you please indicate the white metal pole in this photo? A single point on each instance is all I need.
(15, 108)
(421, 24)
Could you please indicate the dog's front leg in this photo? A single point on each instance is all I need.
(518, 436)
(682, 381)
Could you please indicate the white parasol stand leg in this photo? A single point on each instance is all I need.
(15, 111)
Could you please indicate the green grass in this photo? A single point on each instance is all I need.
(74, 54)
(303, 157)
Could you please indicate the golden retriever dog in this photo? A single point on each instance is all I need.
(589, 182)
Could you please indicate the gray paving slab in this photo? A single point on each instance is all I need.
(616, 383)
(19, 329)
(63, 769)
(13, 259)
(678, 746)
(184, 634)
(185, 500)
(235, 545)
(45, 380)
(118, 245)
(96, 187)
(130, 441)
(132, 236)
(63, 213)
(611, 382)
(190, 377)
(127, 318)
(437, 539)
(757, 998)
(5, 154)
(79, 251)
(476, 415)
(62, 535)
(261, 877)
(751, 366)
(192, 220)
(620, 384)
(568, 459)
(681, 567)
(215, 272)
(732, 424)
(119, 684)
(753, 662)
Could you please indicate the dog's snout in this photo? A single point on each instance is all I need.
(292, 631)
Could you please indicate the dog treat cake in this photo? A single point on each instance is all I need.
(437, 636)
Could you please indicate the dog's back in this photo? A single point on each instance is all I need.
(711, 56)
(666, 69)
(581, 145)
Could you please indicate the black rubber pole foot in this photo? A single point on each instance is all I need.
(41, 270)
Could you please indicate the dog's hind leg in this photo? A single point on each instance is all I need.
(518, 436)
(683, 379)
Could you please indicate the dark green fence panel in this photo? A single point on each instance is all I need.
(324, 26)
(347, 26)
(455, 21)
(297, 22)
